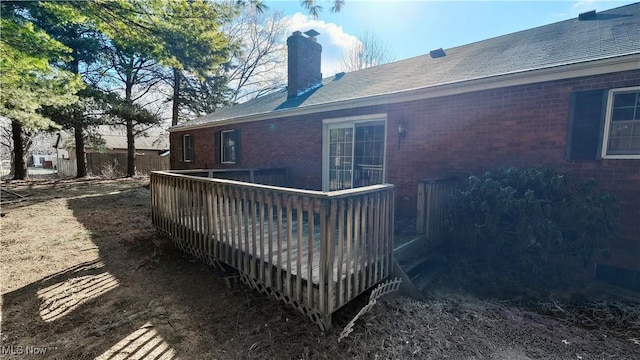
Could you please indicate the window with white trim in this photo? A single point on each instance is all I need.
(187, 148)
(622, 126)
(229, 142)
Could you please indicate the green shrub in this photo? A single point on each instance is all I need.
(527, 222)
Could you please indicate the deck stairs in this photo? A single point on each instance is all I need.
(416, 266)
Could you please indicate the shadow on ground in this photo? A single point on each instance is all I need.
(154, 306)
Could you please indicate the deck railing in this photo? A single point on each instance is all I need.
(434, 201)
(314, 250)
(271, 176)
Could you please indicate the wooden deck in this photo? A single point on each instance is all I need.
(314, 250)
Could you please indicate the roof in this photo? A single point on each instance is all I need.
(116, 138)
(150, 142)
(606, 35)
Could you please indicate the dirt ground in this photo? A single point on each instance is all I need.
(81, 279)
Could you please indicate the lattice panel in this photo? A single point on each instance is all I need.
(189, 248)
(384, 288)
(324, 322)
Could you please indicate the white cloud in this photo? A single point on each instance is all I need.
(583, 3)
(334, 40)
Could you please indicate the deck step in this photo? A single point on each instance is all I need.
(416, 266)
(427, 276)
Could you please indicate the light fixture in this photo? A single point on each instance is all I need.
(402, 130)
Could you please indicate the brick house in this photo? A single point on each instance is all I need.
(564, 95)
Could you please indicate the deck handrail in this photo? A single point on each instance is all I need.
(316, 250)
(312, 193)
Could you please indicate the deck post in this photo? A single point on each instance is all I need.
(330, 261)
(254, 233)
(289, 246)
(324, 219)
(349, 239)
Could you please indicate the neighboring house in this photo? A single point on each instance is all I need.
(564, 95)
(43, 160)
(155, 142)
(39, 152)
(106, 151)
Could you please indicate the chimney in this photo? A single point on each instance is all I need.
(303, 63)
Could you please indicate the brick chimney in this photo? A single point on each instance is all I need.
(303, 63)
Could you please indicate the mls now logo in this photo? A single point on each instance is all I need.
(22, 350)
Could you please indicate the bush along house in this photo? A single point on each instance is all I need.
(564, 96)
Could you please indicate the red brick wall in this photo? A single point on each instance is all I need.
(460, 135)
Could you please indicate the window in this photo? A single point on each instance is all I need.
(187, 148)
(622, 126)
(227, 146)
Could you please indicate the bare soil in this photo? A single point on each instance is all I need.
(82, 279)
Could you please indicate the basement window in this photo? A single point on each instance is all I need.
(622, 126)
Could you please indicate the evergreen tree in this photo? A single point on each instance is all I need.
(68, 26)
(29, 79)
(152, 36)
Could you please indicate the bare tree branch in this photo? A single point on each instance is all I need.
(369, 51)
(261, 54)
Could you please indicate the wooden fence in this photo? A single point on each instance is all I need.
(314, 250)
(67, 167)
(434, 201)
(106, 164)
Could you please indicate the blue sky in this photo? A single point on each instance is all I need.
(412, 28)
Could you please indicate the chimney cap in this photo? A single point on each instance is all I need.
(312, 33)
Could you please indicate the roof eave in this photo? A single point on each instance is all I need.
(614, 64)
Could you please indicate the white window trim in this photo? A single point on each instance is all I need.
(352, 120)
(222, 147)
(184, 147)
(607, 125)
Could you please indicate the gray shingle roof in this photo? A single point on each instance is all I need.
(611, 33)
(116, 138)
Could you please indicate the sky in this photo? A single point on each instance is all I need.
(413, 28)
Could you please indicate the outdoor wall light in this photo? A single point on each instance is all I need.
(402, 130)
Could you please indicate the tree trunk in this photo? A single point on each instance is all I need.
(131, 145)
(78, 129)
(176, 97)
(131, 150)
(19, 166)
(81, 161)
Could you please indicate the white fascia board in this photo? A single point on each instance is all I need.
(557, 72)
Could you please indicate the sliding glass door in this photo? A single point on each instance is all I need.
(355, 155)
